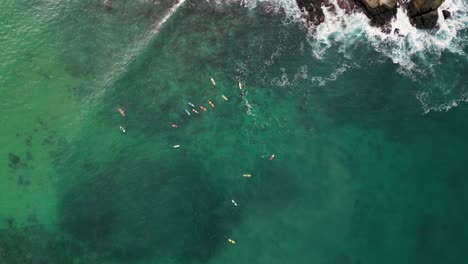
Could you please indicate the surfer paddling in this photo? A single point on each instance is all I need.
(121, 111)
(213, 81)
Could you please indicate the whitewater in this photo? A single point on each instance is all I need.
(418, 53)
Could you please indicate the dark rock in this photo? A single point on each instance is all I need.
(347, 5)
(446, 14)
(419, 7)
(14, 159)
(425, 21)
(423, 13)
(312, 10)
(379, 11)
(397, 32)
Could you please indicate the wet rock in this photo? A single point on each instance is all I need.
(425, 21)
(423, 13)
(446, 14)
(312, 10)
(14, 159)
(379, 11)
(397, 32)
(348, 5)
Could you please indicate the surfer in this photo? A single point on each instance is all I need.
(176, 146)
(121, 111)
(202, 108)
(240, 85)
(272, 156)
(192, 105)
(187, 111)
(195, 111)
(247, 175)
(174, 126)
(122, 129)
(231, 241)
(213, 81)
(212, 105)
(234, 202)
(224, 97)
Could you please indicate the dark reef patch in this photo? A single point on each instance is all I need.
(23, 182)
(28, 141)
(138, 209)
(35, 245)
(14, 160)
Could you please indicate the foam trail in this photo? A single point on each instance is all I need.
(129, 55)
(287, 7)
(132, 53)
(247, 103)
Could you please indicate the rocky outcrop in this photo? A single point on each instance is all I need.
(312, 10)
(423, 13)
(379, 11)
(446, 14)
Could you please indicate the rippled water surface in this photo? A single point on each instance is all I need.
(368, 133)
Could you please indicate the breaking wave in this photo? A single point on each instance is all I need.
(418, 53)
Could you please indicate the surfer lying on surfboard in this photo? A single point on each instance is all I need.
(121, 111)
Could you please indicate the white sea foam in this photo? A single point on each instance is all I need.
(286, 7)
(247, 103)
(417, 52)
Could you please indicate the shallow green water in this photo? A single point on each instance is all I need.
(360, 175)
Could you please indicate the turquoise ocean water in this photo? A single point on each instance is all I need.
(369, 134)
